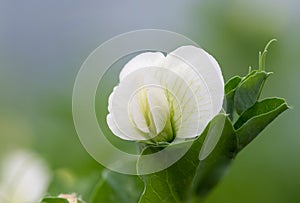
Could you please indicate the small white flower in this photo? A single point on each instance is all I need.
(24, 178)
(72, 198)
(162, 97)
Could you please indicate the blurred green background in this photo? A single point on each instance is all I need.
(44, 43)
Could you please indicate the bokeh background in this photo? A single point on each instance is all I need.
(44, 43)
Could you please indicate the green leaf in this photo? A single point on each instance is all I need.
(256, 118)
(218, 150)
(230, 89)
(232, 84)
(248, 91)
(175, 183)
(117, 188)
(54, 200)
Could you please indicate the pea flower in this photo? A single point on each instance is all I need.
(72, 198)
(24, 178)
(160, 98)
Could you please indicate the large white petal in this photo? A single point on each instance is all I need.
(147, 59)
(202, 75)
(187, 119)
(206, 67)
(216, 65)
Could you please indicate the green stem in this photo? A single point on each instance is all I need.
(96, 190)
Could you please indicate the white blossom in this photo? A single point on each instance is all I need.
(162, 97)
(24, 178)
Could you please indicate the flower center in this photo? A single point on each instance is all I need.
(150, 111)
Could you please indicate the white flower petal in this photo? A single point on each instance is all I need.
(114, 128)
(111, 120)
(207, 68)
(110, 99)
(136, 112)
(119, 106)
(147, 59)
(159, 107)
(194, 109)
(215, 64)
(125, 105)
(186, 118)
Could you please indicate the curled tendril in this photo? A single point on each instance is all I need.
(262, 56)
